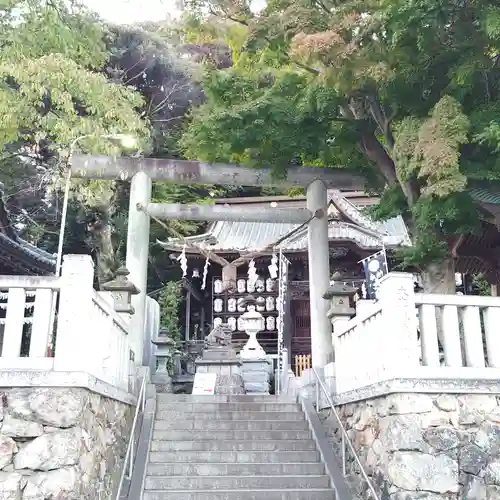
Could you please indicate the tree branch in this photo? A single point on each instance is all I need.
(375, 152)
(307, 68)
(378, 114)
(323, 6)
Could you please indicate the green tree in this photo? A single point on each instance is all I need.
(163, 62)
(406, 93)
(67, 74)
(52, 89)
(52, 92)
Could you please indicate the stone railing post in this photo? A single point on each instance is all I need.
(151, 333)
(397, 298)
(122, 290)
(73, 346)
(341, 298)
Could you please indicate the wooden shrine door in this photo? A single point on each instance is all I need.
(301, 336)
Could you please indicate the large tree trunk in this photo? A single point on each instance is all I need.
(106, 255)
(440, 278)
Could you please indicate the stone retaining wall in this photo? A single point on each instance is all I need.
(61, 443)
(422, 446)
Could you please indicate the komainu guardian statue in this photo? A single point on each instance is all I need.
(220, 336)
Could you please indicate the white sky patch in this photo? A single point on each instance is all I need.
(138, 11)
(134, 11)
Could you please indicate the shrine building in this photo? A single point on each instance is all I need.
(353, 236)
(17, 256)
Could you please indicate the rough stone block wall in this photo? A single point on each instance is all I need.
(422, 446)
(61, 444)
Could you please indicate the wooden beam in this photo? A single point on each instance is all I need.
(177, 211)
(186, 283)
(197, 172)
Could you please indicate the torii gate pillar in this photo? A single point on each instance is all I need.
(319, 275)
(137, 258)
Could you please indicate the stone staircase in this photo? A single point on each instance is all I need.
(233, 448)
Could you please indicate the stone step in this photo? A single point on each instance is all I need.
(232, 425)
(233, 456)
(235, 482)
(228, 415)
(167, 405)
(298, 494)
(188, 435)
(234, 469)
(222, 398)
(282, 445)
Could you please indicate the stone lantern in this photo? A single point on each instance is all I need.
(122, 289)
(341, 297)
(253, 323)
(256, 368)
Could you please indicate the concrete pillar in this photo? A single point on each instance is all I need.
(137, 258)
(319, 276)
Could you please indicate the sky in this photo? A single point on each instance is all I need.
(137, 11)
(133, 11)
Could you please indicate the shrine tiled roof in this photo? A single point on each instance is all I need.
(19, 254)
(256, 236)
(486, 195)
(43, 259)
(354, 226)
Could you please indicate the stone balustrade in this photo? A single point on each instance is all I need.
(63, 324)
(409, 336)
(417, 389)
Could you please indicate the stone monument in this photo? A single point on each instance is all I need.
(219, 357)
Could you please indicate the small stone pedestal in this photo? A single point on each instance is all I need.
(224, 362)
(256, 375)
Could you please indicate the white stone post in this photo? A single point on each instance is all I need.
(319, 276)
(399, 347)
(137, 258)
(74, 348)
(151, 333)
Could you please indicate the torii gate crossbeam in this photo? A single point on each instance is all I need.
(142, 171)
(197, 172)
(178, 211)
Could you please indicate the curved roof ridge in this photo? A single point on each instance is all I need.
(343, 205)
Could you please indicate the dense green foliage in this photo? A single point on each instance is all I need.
(169, 299)
(66, 74)
(55, 99)
(164, 66)
(52, 90)
(407, 93)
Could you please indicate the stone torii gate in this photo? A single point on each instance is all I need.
(143, 171)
